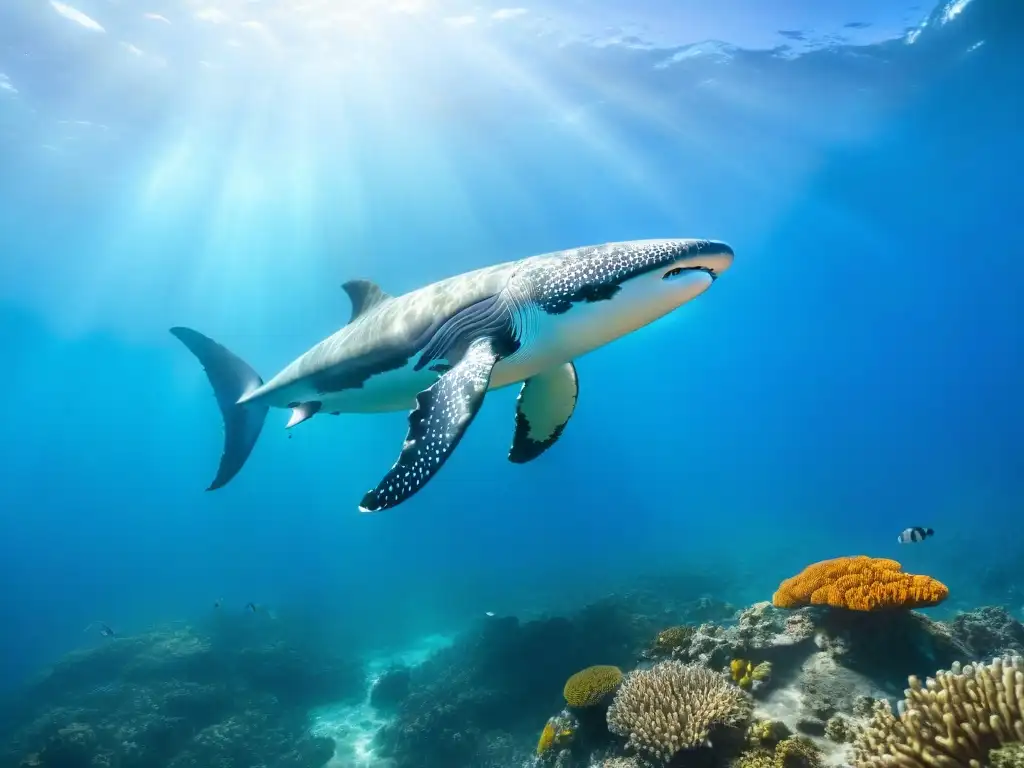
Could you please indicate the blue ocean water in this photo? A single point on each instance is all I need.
(226, 166)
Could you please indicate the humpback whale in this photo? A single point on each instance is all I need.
(437, 350)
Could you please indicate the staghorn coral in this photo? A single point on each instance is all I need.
(673, 706)
(592, 685)
(861, 584)
(952, 721)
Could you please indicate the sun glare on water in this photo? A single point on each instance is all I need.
(237, 132)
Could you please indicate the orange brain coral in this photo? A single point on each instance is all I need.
(861, 584)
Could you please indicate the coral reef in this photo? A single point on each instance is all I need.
(766, 733)
(182, 698)
(1011, 756)
(747, 676)
(839, 729)
(672, 639)
(861, 584)
(591, 686)
(674, 706)
(467, 702)
(762, 632)
(558, 732)
(731, 690)
(797, 752)
(794, 752)
(954, 719)
(888, 645)
(988, 632)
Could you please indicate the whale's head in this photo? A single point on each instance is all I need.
(606, 291)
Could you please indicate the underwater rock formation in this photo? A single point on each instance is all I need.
(182, 698)
(988, 632)
(390, 689)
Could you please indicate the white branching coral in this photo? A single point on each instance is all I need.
(952, 721)
(673, 706)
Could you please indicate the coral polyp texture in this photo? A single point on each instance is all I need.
(952, 721)
(861, 584)
(673, 706)
(673, 638)
(591, 686)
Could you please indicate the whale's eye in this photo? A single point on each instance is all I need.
(673, 272)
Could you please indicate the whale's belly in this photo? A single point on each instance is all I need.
(389, 391)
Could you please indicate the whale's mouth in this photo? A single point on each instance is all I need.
(677, 271)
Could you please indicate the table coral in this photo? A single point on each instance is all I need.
(861, 584)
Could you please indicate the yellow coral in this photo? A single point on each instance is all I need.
(740, 668)
(859, 583)
(762, 671)
(547, 738)
(794, 752)
(744, 673)
(557, 733)
(755, 758)
(592, 685)
(797, 752)
(766, 733)
(672, 638)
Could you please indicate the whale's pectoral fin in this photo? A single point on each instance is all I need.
(436, 425)
(546, 401)
(303, 412)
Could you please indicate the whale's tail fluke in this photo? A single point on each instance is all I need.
(232, 378)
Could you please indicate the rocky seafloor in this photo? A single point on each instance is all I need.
(221, 697)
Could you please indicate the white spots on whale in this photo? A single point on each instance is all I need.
(595, 273)
(436, 425)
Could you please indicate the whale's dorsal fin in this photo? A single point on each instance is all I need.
(364, 295)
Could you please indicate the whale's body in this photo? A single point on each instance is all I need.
(438, 349)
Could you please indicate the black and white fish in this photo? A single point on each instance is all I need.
(914, 535)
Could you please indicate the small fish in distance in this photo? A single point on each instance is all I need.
(914, 535)
(105, 629)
